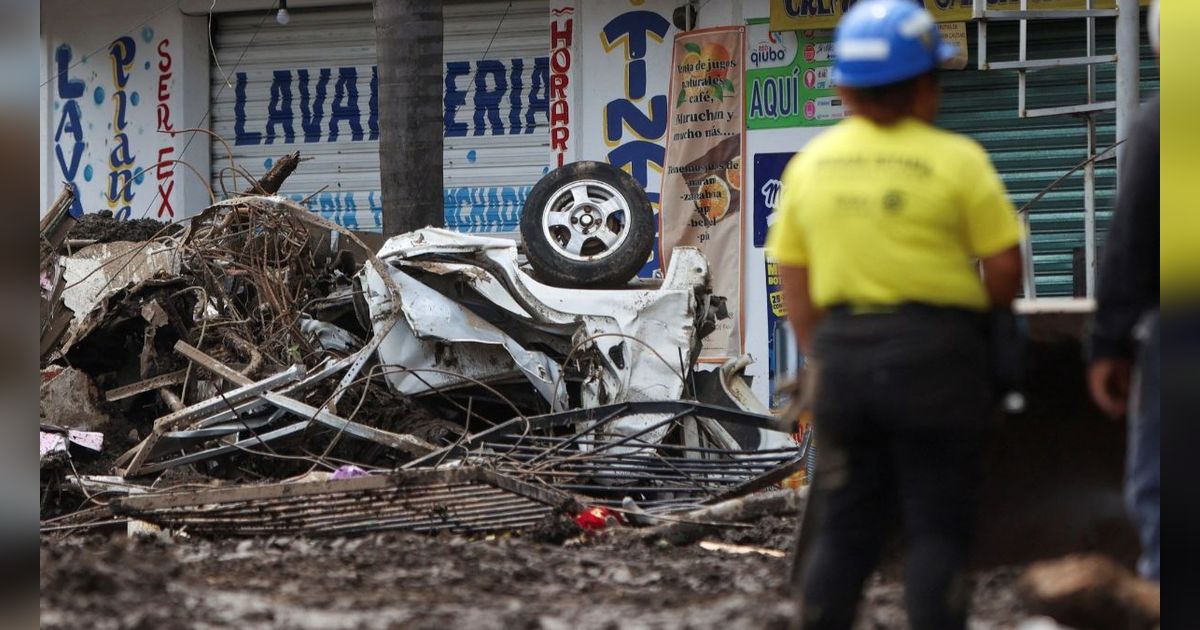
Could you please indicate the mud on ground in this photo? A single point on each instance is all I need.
(415, 581)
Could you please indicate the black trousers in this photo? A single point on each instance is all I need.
(902, 404)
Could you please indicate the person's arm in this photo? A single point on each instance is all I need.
(992, 229)
(1128, 280)
(1002, 276)
(802, 314)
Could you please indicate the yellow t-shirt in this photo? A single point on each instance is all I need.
(886, 215)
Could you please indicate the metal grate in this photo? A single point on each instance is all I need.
(462, 500)
(666, 455)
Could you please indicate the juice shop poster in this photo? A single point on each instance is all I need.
(702, 184)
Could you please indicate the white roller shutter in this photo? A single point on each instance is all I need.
(310, 86)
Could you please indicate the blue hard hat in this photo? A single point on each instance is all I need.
(879, 42)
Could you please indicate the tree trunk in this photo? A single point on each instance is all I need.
(408, 41)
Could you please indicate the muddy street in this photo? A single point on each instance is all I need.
(414, 581)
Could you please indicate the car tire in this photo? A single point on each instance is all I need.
(587, 225)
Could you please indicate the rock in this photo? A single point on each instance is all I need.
(70, 399)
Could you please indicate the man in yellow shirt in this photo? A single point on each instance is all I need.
(883, 225)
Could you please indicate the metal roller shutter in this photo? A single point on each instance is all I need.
(1031, 153)
(309, 86)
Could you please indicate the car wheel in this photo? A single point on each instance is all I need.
(587, 225)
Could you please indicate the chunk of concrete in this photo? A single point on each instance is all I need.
(70, 399)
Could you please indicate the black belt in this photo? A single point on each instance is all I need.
(903, 308)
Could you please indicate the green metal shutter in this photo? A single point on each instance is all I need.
(1031, 153)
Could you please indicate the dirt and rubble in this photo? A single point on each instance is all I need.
(287, 407)
(407, 580)
(103, 227)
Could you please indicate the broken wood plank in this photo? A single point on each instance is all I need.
(712, 545)
(689, 527)
(271, 182)
(194, 354)
(55, 224)
(133, 389)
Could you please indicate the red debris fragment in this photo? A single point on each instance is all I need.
(595, 519)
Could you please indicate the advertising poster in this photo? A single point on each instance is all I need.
(702, 183)
(788, 78)
(768, 175)
(777, 333)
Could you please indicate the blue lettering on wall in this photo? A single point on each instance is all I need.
(67, 87)
(514, 95)
(345, 105)
(487, 100)
(506, 97)
(455, 97)
(621, 112)
(484, 209)
(312, 107)
(120, 177)
(279, 109)
(241, 136)
(373, 106)
(634, 30)
(69, 123)
(68, 90)
(539, 93)
(469, 209)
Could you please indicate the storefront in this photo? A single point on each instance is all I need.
(528, 85)
(310, 86)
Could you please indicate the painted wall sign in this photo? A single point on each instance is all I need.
(792, 15)
(489, 99)
(702, 185)
(331, 104)
(107, 109)
(121, 158)
(164, 170)
(788, 76)
(562, 53)
(68, 137)
(626, 56)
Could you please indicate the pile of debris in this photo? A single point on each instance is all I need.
(308, 382)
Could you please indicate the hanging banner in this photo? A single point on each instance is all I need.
(702, 183)
(794, 15)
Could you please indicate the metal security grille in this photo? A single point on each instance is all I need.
(463, 500)
(1031, 153)
(311, 86)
